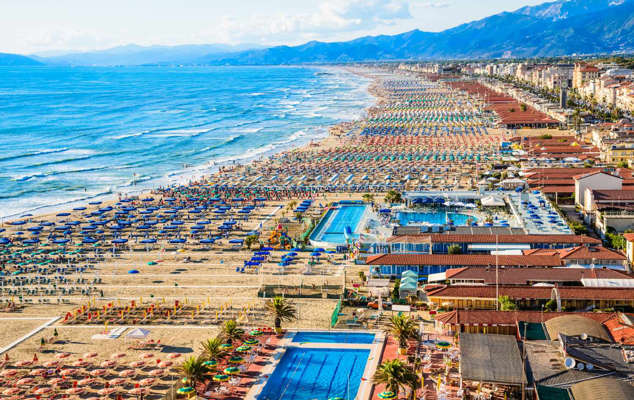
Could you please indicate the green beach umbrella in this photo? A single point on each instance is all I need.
(185, 390)
(210, 363)
(221, 378)
(251, 342)
(387, 395)
(243, 349)
(255, 332)
(232, 370)
(236, 360)
(226, 346)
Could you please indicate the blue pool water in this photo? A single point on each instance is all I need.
(332, 226)
(307, 374)
(334, 337)
(433, 218)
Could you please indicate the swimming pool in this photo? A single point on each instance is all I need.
(334, 337)
(307, 374)
(433, 218)
(337, 220)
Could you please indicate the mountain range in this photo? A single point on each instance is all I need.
(562, 27)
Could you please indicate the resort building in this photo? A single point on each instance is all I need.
(483, 243)
(586, 256)
(393, 265)
(532, 276)
(531, 297)
(504, 322)
(607, 209)
(583, 73)
(596, 180)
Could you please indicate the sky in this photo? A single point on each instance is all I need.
(40, 26)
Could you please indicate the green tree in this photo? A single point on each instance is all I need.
(211, 348)
(231, 331)
(506, 304)
(403, 328)
(281, 310)
(622, 164)
(454, 249)
(395, 289)
(523, 107)
(396, 375)
(368, 198)
(194, 370)
(392, 196)
(251, 240)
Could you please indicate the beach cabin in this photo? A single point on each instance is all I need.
(409, 284)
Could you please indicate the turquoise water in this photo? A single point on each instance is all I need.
(433, 218)
(333, 337)
(308, 374)
(334, 224)
(70, 134)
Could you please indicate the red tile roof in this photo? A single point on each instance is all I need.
(454, 238)
(613, 195)
(463, 260)
(527, 276)
(492, 317)
(532, 292)
(620, 331)
(580, 253)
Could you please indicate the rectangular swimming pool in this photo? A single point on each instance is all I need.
(332, 228)
(333, 337)
(434, 218)
(307, 374)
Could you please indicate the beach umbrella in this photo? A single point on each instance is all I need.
(157, 372)
(75, 391)
(43, 390)
(24, 381)
(147, 382)
(185, 390)
(116, 381)
(106, 391)
(232, 370)
(251, 342)
(127, 373)
(174, 355)
(133, 271)
(108, 364)
(387, 395)
(226, 346)
(55, 381)
(221, 378)
(98, 372)
(236, 360)
(255, 332)
(210, 363)
(11, 391)
(242, 349)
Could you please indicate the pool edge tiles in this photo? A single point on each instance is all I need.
(364, 390)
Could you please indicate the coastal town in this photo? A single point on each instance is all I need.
(467, 239)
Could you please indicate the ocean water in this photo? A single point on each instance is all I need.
(71, 134)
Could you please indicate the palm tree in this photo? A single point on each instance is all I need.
(368, 198)
(231, 331)
(194, 370)
(211, 348)
(250, 241)
(282, 311)
(397, 375)
(403, 328)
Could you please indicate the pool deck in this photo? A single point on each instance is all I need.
(365, 388)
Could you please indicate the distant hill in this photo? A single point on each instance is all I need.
(15, 59)
(556, 28)
(562, 27)
(141, 55)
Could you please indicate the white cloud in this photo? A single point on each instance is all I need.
(331, 17)
(436, 4)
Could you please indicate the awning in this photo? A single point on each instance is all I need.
(604, 283)
(439, 277)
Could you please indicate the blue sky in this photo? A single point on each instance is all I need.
(32, 26)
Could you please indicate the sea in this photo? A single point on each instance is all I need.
(72, 134)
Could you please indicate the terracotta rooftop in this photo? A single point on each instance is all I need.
(613, 195)
(621, 332)
(492, 317)
(580, 253)
(463, 260)
(532, 292)
(527, 276)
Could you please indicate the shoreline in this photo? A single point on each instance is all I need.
(205, 171)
